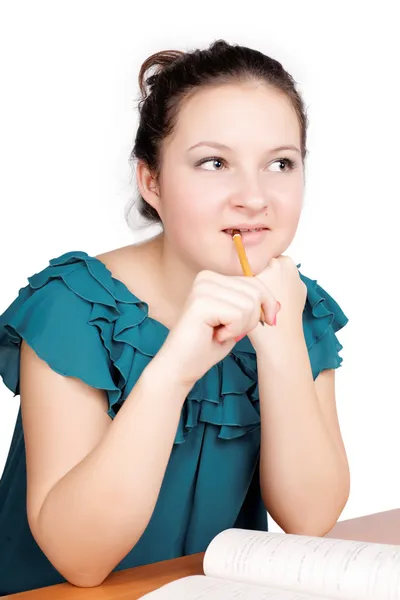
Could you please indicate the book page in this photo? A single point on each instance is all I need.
(339, 569)
(198, 587)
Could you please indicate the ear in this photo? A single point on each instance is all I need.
(148, 186)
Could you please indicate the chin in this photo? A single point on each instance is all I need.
(234, 269)
(261, 263)
(231, 266)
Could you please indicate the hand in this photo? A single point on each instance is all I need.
(282, 278)
(219, 310)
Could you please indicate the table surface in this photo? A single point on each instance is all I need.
(131, 584)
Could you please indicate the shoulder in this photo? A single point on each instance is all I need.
(323, 317)
(136, 266)
(67, 313)
(321, 304)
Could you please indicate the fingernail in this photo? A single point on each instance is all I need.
(240, 338)
(278, 306)
(274, 321)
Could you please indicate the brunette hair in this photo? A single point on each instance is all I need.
(167, 78)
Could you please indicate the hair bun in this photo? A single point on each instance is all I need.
(156, 63)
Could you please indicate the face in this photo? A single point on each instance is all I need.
(232, 162)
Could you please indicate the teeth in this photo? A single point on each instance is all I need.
(230, 231)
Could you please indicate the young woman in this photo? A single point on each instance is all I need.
(156, 410)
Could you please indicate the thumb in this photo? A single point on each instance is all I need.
(223, 334)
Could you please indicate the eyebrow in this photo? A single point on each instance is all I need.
(224, 147)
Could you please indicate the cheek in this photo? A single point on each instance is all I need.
(287, 220)
(186, 211)
(187, 199)
(289, 204)
(289, 212)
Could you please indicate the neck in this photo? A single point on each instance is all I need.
(175, 275)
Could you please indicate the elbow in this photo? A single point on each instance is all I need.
(84, 575)
(309, 525)
(84, 580)
(79, 573)
(79, 569)
(314, 519)
(313, 529)
(317, 523)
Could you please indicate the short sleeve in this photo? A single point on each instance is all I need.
(81, 321)
(322, 319)
(54, 322)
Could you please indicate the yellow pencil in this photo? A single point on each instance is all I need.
(244, 263)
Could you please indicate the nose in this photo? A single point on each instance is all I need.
(252, 198)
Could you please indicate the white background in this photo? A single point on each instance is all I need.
(67, 124)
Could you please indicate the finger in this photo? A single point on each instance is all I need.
(250, 286)
(247, 300)
(247, 285)
(265, 298)
(223, 335)
(229, 318)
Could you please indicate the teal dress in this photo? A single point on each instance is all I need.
(85, 323)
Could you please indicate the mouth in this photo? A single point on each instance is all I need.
(251, 236)
(245, 230)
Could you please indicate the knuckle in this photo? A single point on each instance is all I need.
(234, 314)
(201, 287)
(265, 293)
(258, 287)
(288, 261)
(202, 276)
(256, 292)
(209, 277)
(251, 305)
(249, 297)
(195, 302)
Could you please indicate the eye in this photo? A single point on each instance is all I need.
(282, 165)
(214, 163)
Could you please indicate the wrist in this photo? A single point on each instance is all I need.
(276, 343)
(165, 374)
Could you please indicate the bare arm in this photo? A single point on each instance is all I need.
(304, 470)
(92, 482)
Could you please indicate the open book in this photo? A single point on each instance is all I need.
(256, 565)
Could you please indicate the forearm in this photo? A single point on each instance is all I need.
(93, 516)
(304, 475)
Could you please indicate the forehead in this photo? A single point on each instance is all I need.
(237, 113)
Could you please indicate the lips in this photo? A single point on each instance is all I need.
(245, 230)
